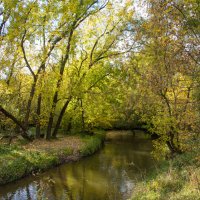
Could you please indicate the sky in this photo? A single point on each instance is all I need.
(140, 6)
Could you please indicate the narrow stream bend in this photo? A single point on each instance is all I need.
(108, 174)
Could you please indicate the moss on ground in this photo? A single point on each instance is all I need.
(175, 179)
(17, 161)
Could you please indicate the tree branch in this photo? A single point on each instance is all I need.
(24, 54)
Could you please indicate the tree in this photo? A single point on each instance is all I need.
(50, 57)
(167, 67)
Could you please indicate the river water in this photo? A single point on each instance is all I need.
(110, 174)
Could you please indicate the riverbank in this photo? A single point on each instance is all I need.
(174, 179)
(17, 161)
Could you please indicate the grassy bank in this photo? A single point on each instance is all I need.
(175, 179)
(17, 161)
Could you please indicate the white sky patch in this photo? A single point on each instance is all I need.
(140, 7)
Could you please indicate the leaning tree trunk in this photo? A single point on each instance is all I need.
(28, 107)
(38, 127)
(174, 149)
(55, 132)
(24, 133)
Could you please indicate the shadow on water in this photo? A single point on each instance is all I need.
(108, 174)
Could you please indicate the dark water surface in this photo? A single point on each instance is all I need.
(108, 174)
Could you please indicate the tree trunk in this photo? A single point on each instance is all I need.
(28, 108)
(69, 126)
(49, 127)
(172, 147)
(82, 115)
(17, 122)
(60, 117)
(38, 130)
(52, 113)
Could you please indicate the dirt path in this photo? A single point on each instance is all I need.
(70, 142)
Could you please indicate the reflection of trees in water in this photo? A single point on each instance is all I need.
(9, 197)
(28, 194)
(61, 188)
(107, 175)
(54, 186)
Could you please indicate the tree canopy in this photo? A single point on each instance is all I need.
(85, 64)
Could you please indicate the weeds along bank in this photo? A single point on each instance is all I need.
(175, 179)
(17, 161)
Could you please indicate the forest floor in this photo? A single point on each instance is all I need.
(176, 179)
(19, 160)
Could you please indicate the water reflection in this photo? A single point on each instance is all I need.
(109, 174)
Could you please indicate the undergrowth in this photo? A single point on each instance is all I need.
(176, 179)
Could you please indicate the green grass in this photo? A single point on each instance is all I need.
(17, 162)
(177, 179)
(92, 145)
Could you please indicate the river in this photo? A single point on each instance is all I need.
(109, 174)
